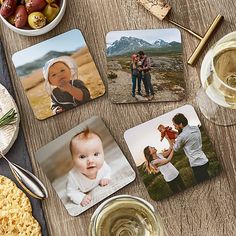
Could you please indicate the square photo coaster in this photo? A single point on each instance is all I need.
(145, 66)
(58, 74)
(85, 165)
(172, 153)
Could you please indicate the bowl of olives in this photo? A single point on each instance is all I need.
(32, 17)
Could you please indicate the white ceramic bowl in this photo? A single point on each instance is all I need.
(43, 30)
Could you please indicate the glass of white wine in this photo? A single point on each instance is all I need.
(217, 97)
(125, 215)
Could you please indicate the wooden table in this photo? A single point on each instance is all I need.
(207, 209)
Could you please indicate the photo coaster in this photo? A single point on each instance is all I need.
(85, 165)
(172, 152)
(145, 66)
(58, 74)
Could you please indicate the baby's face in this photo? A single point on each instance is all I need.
(58, 74)
(88, 155)
(161, 128)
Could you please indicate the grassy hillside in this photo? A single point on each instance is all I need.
(166, 73)
(157, 187)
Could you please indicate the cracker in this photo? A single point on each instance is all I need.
(15, 211)
(18, 224)
(11, 197)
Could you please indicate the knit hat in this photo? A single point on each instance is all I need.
(65, 59)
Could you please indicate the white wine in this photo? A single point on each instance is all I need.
(217, 97)
(225, 66)
(224, 72)
(127, 216)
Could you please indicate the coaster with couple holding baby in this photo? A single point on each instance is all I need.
(173, 152)
(85, 165)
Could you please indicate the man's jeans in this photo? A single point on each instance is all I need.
(147, 83)
(200, 172)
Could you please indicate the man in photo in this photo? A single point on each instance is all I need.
(190, 140)
(146, 76)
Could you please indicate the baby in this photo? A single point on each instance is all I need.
(168, 133)
(62, 84)
(89, 170)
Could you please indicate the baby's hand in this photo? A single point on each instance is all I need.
(104, 182)
(86, 200)
(59, 109)
(65, 85)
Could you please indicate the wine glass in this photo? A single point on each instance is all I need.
(217, 97)
(125, 215)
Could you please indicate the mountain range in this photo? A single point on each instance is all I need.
(127, 45)
(28, 68)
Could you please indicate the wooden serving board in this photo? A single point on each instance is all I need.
(18, 153)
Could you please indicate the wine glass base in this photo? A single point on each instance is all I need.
(213, 112)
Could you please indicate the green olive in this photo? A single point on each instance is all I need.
(51, 11)
(36, 20)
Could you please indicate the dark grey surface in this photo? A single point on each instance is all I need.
(18, 153)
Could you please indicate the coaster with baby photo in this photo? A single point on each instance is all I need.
(145, 66)
(58, 74)
(85, 165)
(173, 152)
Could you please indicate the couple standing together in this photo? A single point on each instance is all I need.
(140, 71)
(189, 139)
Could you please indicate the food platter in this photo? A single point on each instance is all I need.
(8, 133)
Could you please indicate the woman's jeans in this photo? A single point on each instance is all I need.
(147, 84)
(136, 78)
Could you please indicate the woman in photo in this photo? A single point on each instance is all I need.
(136, 74)
(156, 162)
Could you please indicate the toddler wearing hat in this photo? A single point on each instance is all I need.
(62, 84)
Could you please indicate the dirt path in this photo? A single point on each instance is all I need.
(120, 89)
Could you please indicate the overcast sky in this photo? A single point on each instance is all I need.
(146, 134)
(150, 36)
(68, 41)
